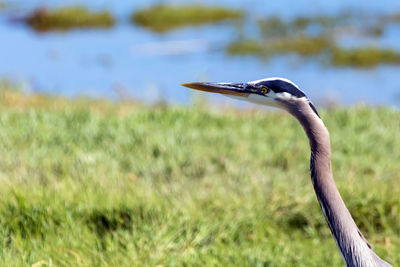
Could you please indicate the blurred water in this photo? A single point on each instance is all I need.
(129, 61)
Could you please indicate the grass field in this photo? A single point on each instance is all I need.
(92, 183)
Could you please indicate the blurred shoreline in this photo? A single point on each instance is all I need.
(150, 66)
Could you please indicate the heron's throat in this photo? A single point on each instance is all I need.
(314, 127)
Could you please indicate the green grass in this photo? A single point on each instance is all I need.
(68, 18)
(162, 18)
(94, 183)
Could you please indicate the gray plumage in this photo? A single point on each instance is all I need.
(282, 93)
(355, 250)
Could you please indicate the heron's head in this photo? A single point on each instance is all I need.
(277, 92)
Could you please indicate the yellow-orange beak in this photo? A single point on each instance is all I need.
(235, 89)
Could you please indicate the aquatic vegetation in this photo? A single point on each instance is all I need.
(300, 36)
(395, 17)
(67, 18)
(322, 25)
(245, 47)
(337, 56)
(302, 45)
(364, 57)
(273, 26)
(162, 18)
(95, 183)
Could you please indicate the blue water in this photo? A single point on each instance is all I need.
(129, 61)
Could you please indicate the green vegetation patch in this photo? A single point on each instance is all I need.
(302, 45)
(67, 18)
(309, 36)
(395, 17)
(162, 18)
(364, 57)
(275, 26)
(94, 183)
(343, 23)
(337, 56)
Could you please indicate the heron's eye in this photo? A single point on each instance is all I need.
(264, 90)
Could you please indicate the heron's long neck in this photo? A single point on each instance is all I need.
(353, 247)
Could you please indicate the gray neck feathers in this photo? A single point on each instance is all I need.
(354, 248)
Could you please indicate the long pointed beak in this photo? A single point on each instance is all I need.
(235, 89)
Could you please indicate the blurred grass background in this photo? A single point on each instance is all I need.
(96, 183)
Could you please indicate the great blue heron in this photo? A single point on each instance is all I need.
(282, 93)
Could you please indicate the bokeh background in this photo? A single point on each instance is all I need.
(107, 161)
(150, 66)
